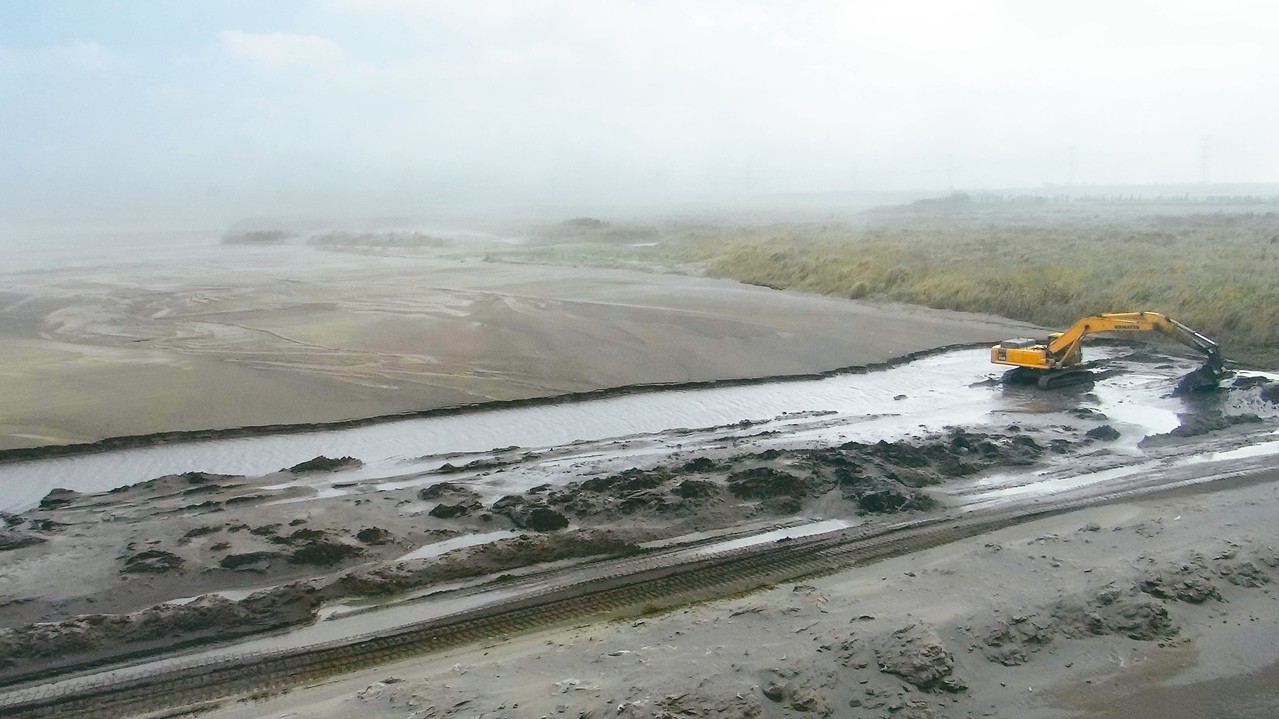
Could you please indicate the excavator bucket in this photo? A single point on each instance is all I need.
(1204, 379)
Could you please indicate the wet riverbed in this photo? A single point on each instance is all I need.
(955, 388)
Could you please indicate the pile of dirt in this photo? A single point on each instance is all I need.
(93, 637)
(1138, 610)
(915, 653)
(375, 536)
(791, 689)
(883, 477)
(1103, 432)
(461, 502)
(57, 498)
(660, 490)
(878, 496)
(766, 483)
(153, 561)
(1125, 612)
(530, 514)
(324, 464)
(250, 561)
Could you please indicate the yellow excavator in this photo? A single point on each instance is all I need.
(1058, 361)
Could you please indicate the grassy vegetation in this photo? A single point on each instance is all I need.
(1215, 272)
(1213, 267)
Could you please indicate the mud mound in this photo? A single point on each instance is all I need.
(1190, 583)
(436, 491)
(957, 455)
(449, 511)
(325, 464)
(765, 483)
(1126, 612)
(1104, 432)
(153, 561)
(1194, 425)
(250, 561)
(631, 480)
(697, 489)
(374, 536)
(632, 492)
(534, 515)
(1115, 611)
(58, 498)
(884, 497)
(96, 636)
(699, 464)
(915, 653)
(324, 553)
(788, 688)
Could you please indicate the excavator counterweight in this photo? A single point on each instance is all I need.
(1057, 361)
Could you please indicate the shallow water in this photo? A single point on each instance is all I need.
(923, 396)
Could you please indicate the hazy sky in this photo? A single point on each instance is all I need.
(123, 107)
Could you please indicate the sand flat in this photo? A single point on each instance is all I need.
(232, 337)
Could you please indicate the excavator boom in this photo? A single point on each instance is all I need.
(1061, 354)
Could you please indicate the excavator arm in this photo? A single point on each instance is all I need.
(1063, 350)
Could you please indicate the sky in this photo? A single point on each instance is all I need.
(221, 108)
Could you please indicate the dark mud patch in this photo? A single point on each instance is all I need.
(766, 483)
(324, 553)
(153, 561)
(59, 498)
(443, 489)
(374, 536)
(325, 464)
(1199, 424)
(14, 539)
(1104, 433)
(450, 511)
(535, 514)
(250, 561)
(880, 478)
(882, 497)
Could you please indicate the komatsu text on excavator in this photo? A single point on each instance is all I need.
(1057, 361)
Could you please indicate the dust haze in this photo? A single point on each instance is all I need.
(171, 116)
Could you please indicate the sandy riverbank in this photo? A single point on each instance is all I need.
(230, 336)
